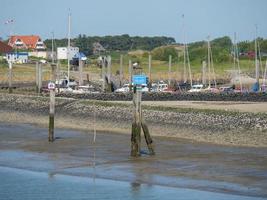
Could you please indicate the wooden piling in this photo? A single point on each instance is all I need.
(109, 85)
(121, 70)
(51, 116)
(109, 69)
(137, 127)
(130, 74)
(148, 139)
(40, 73)
(149, 71)
(81, 65)
(37, 76)
(170, 69)
(52, 105)
(204, 70)
(103, 74)
(10, 77)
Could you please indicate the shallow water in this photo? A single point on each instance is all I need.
(32, 168)
(22, 184)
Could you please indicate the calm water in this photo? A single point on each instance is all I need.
(16, 184)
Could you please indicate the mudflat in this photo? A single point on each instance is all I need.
(178, 162)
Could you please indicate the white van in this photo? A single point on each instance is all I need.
(197, 88)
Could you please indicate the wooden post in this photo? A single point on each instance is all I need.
(170, 69)
(81, 65)
(204, 69)
(40, 84)
(37, 76)
(130, 74)
(51, 116)
(57, 78)
(103, 73)
(138, 125)
(10, 77)
(52, 106)
(149, 72)
(109, 69)
(109, 89)
(121, 70)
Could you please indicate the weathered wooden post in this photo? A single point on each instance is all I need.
(51, 87)
(121, 70)
(10, 77)
(138, 123)
(81, 65)
(37, 76)
(149, 71)
(57, 78)
(130, 74)
(109, 69)
(170, 69)
(103, 74)
(109, 89)
(204, 70)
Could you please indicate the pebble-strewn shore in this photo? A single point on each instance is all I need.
(204, 125)
(255, 97)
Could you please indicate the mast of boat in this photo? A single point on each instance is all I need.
(256, 56)
(236, 61)
(189, 66)
(68, 51)
(184, 49)
(264, 77)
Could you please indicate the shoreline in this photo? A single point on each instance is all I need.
(224, 127)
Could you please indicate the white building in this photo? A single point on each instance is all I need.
(62, 52)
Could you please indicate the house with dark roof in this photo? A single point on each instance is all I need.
(27, 42)
(5, 48)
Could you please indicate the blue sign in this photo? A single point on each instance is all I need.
(139, 80)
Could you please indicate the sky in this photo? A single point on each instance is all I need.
(136, 17)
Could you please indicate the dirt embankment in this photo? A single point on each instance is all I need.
(216, 126)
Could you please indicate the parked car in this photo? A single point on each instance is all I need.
(226, 89)
(125, 88)
(197, 88)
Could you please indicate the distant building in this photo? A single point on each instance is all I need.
(19, 57)
(27, 42)
(38, 54)
(62, 52)
(5, 48)
(98, 48)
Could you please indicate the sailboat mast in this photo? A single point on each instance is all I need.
(256, 56)
(184, 49)
(68, 52)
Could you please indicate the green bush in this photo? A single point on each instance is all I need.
(163, 53)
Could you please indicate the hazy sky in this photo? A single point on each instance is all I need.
(136, 17)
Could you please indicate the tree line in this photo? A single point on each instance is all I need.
(113, 43)
(222, 47)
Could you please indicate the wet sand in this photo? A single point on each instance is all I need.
(178, 163)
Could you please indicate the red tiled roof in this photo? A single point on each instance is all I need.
(4, 48)
(29, 40)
